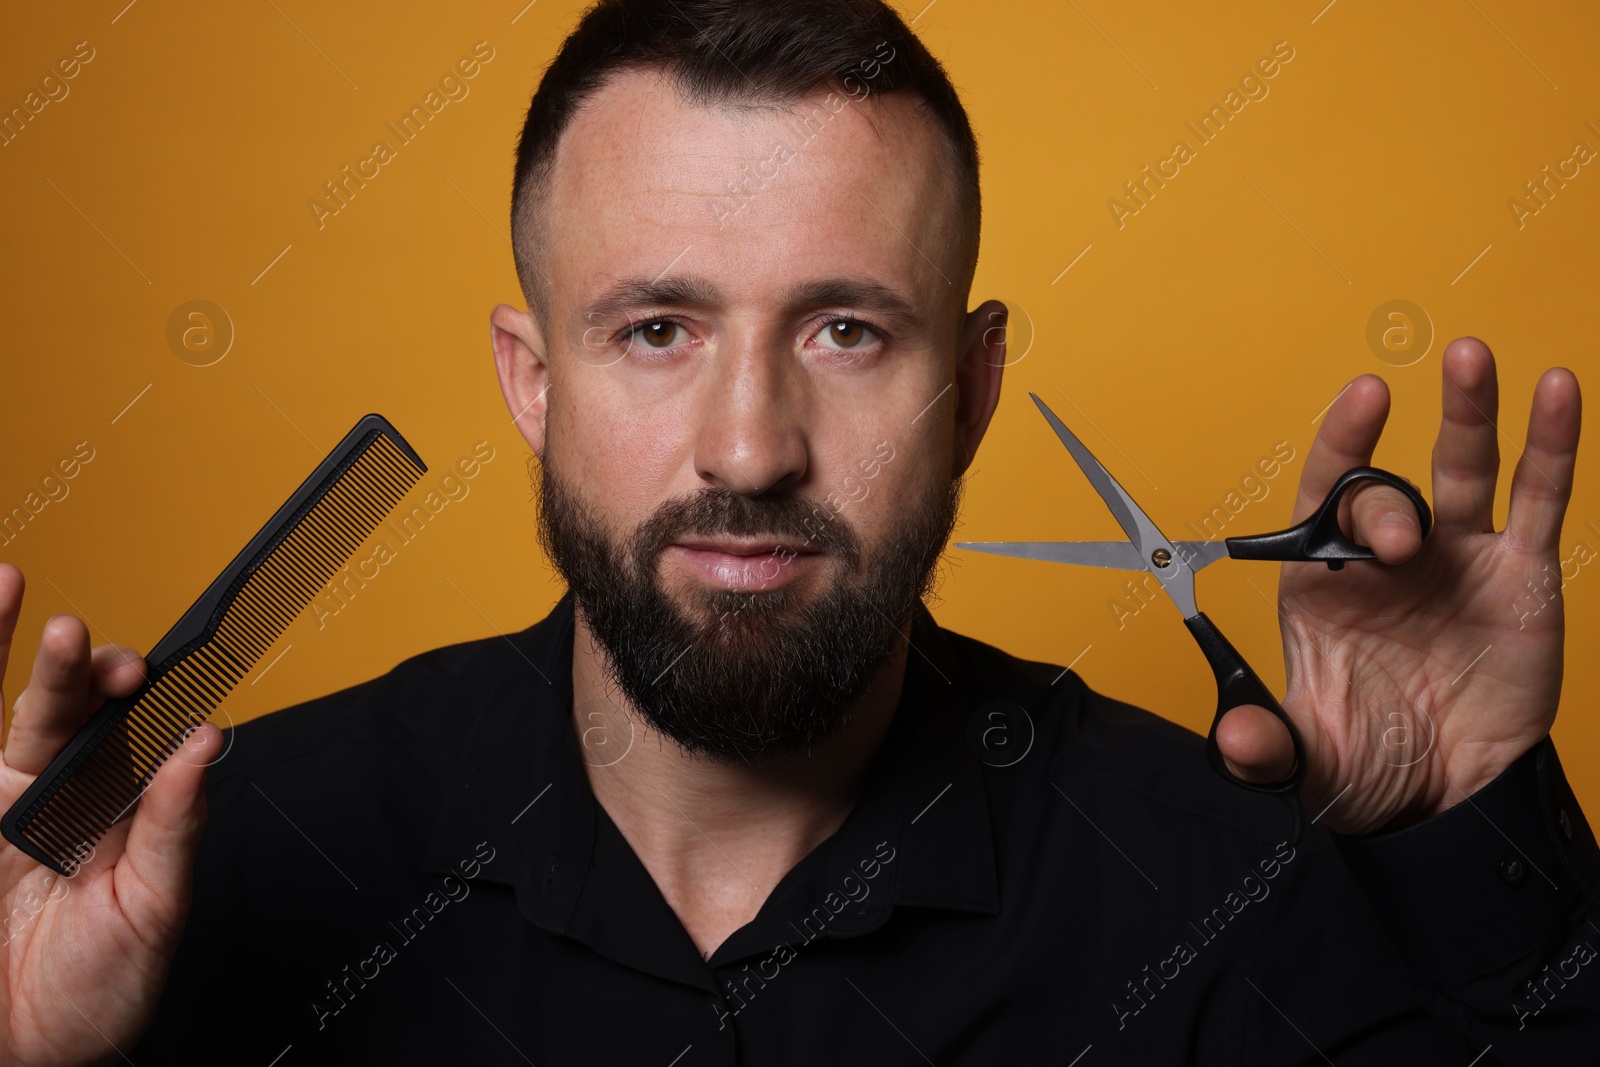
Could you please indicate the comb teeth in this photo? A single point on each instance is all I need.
(105, 769)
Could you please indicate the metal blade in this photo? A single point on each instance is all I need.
(1123, 509)
(1176, 577)
(1117, 555)
(1200, 554)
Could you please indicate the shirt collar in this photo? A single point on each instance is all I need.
(517, 784)
(520, 785)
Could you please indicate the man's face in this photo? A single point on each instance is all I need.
(746, 404)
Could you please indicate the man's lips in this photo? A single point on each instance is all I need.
(744, 564)
(746, 548)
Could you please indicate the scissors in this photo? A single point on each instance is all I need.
(1174, 563)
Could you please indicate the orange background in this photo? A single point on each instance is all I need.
(1183, 345)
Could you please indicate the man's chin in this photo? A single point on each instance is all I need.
(740, 623)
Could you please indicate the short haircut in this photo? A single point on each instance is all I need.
(737, 52)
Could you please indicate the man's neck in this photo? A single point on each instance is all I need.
(716, 838)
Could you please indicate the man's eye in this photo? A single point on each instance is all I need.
(658, 333)
(847, 334)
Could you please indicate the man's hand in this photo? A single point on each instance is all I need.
(1416, 680)
(83, 960)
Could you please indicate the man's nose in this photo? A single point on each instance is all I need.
(751, 422)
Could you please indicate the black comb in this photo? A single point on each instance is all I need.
(107, 765)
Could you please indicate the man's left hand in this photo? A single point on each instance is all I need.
(1415, 680)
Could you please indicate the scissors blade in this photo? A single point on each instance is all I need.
(1177, 577)
(1199, 555)
(1123, 509)
(1118, 555)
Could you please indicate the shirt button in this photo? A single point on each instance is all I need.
(1566, 824)
(1511, 870)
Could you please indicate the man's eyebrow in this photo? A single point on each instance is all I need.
(856, 293)
(684, 290)
(689, 290)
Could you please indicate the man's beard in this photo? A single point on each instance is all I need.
(763, 672)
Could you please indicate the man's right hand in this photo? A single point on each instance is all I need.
(83, 959)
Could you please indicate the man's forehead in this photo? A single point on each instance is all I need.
(764, 190)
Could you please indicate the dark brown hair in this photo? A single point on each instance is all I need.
(731, 51)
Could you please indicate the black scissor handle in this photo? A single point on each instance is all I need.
(1318, 537)
(1237, 684)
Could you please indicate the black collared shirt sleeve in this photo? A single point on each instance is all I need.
(1493, 908)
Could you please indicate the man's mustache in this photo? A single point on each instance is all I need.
(791, 520)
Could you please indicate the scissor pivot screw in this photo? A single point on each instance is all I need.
(1161, 557)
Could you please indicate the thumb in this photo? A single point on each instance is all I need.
(165, 830)
(1255, 744)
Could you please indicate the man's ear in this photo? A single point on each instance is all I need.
(979, 365)
(521, 362)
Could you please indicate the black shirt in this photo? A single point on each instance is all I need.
(415, 870)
